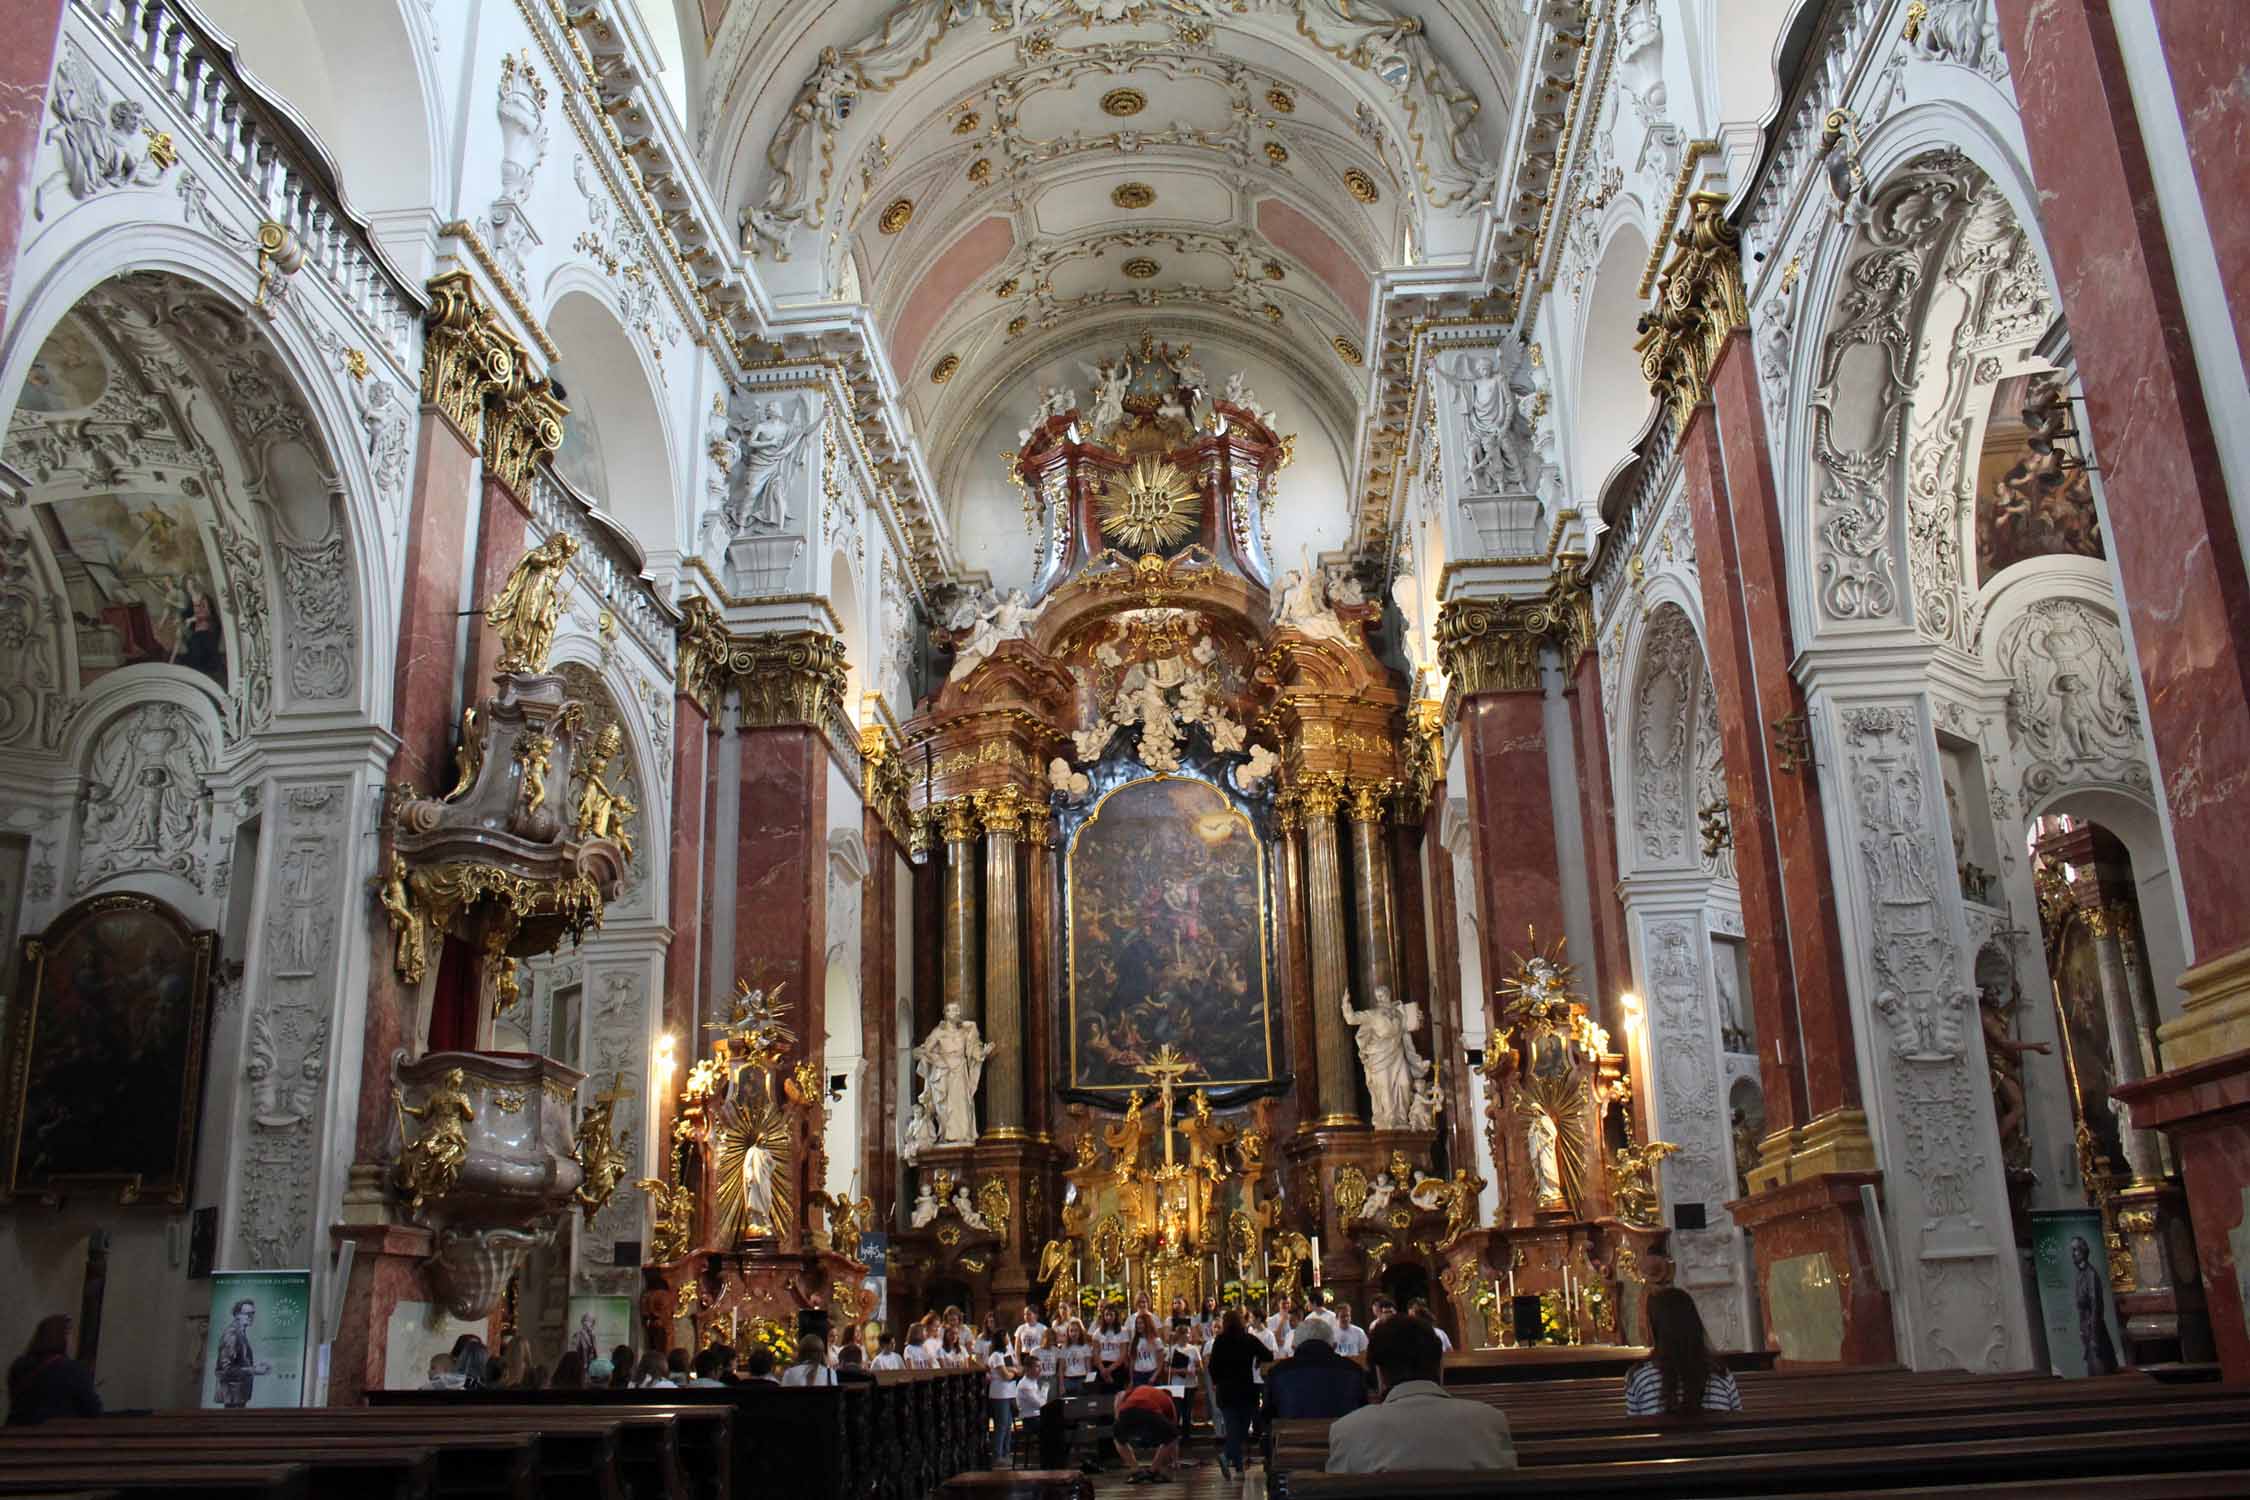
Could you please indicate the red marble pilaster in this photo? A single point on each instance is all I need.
(683, 959)
(387, 1262)
(2204, 1110)
(1597, 817)
(2171, 531)
(1519, 863)
(878, 1012)
(781, 875)
(425, 687)
(1039, 988)
(28, 30)
(503, 536)
(1819, 1216)
(2205, 42)
(1432, 869)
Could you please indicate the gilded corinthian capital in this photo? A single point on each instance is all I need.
(704, 648)
(1493, 645)
(465, 352)
(523, 423)
(1369, 798)
(1320, 793)
(1698, 303)
(957, 820)
(1002, 809)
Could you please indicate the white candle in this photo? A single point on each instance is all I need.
(1316, 1260)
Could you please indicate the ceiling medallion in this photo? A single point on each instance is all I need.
(1017, 324)
(1346, 350)
(1279, 102)
(896, 216)
(967, 123)
(1124, 103)
(1276, 152)
(1007, 288)
(1363, 186)
(980, 170)
(945, 369)
(1273, 313)
(1132, 195)
(1274, 271)
(1140, 268)
(1156, 507)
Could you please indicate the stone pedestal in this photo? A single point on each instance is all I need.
(1822, 1298)
(2204, 1110)
(2164, 1316)
(387, 1262)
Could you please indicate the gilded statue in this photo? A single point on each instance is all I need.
(430, 1165)
(532, 752)
(1124, 1138)
(1460, 1200)
(1057, 1271)
(410, 955)
(529, 605)
(1207, 1138)
(468, 755)
(602, 809)
(673, 1233)
(599, 1156)
(1351, 1192)
(1291, 1251)
(1632, 1181)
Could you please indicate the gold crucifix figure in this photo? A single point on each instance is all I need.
(1165, 1070)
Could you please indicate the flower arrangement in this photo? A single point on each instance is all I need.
(1089, 1298)
(776, 1339)
(1551, 1318)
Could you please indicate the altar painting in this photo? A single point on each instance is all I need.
(1167, 938)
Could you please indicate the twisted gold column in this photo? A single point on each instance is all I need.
(957, 820)
(1003, 814)
(1317, 797)
(1371, 889)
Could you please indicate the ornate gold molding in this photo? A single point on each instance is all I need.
(1002, 809)
(1367, 799)
(704, 649)
(465, 352)
(1699, 302)
(1286, 817)
(957, 820)
(1492, 645)
(1319, 794)
(789, 677)
(523, 423)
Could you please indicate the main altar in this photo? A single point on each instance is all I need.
(1172, 1020)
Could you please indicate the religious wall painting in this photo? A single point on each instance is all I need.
(1168, 932)
(69, 373)
(138, 577)
(2034, 498)
(105, 1052)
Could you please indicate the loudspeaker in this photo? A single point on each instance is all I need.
(813, 1321)
(1688, 1216)
(1526, 1311)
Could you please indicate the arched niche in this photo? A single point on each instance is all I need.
(621, 433)
(1612, 401)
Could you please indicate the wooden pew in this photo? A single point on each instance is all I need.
(465, 1464)
(93, 1481)
(345, 1468)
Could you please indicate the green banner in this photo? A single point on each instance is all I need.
(255, 1353)
(2074, 1296)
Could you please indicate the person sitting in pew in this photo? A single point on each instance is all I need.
(712, 1365)
(851, 1366)
(1682, 1377)
(570, 1371)
(757, 1368)
(1315, 1380)
(1416, 1425)
(654, 1372)
(443, 1376)
(676, 1364)
(811, 1367)
(621, 1364)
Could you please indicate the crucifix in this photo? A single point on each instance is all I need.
(1165, 1070)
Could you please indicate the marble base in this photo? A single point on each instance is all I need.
(1818, 1289)
(2215, 1018)
(387, 1262)
(2204, 1110)
(2163, 1316)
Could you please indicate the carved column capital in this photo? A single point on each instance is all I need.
(704, 648)
(1286, 815)
(957, 819)
(1319, 794)
(523, 424)
(1699, 302)
(1493, 645)
(465, 352)
(791, 677)
(1368, 799)
(1002, 809)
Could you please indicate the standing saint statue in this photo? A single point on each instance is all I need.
(529, 606)
(760, 502)
(1542, 1148)
(952, 1059)
(1387, 1056)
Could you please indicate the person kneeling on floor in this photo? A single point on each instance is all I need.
(1148, 1421)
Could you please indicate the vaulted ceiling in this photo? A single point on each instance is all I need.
(1006, 183)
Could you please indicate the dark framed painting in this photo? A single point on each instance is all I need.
(1168, 938)
(105, 1053)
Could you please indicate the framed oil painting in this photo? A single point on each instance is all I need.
(1167, 934)
(105, 1053)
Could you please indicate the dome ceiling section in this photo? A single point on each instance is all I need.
(1425, 89)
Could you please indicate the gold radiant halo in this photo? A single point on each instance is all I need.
(896, 216)
(1362, 186)
(945, 369)
(1346, 350)
(1132, 195)
(1155, 506)
(1279, 101)
(1124, 103)
(1140, 268)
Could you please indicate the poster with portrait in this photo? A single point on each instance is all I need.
(261, 1324)
(105, 1052)
(2075, 1303)
(1168, 938)
(592, 1326)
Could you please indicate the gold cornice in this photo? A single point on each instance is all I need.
(466, 233)
(763, 601)
(465, 352)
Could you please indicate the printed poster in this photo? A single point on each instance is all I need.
(261, 1322)
(2074, 1295)
(596, 1325)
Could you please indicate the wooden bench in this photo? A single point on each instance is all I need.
(240, 1481)
(351, 1468)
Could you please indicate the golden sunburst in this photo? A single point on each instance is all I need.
(1155, 506)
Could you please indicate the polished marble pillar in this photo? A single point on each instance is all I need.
(1043, 999)
(1372, 916)
(2128, 1049)
(1002, 812)
(1296, 964)
(957, 821)
(1318, 797)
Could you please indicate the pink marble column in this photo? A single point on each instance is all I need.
(781, 875)
(2171, 531)
(692, 746)
(28, 30)
(1519, 864)
(1597, 817)
(2205, 43)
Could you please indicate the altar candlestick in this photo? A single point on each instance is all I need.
(1316, 1260)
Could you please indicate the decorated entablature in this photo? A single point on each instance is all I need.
(526, 850)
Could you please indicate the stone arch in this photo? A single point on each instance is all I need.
(1612, 403)
(616, 435)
